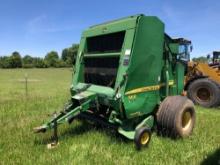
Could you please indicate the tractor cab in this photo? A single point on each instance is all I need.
(214, 61)
(185, 48)
(216, 57)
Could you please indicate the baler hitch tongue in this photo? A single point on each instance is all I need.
(61, 118)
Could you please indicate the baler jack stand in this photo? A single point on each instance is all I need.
(54, 142)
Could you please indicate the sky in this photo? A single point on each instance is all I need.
(36, 27)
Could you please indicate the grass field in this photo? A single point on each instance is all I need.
(80, 143)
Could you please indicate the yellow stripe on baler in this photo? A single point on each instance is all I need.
(148, 88)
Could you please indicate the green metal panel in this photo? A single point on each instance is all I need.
(174, 48)
(125, 55)
(111, 27)
(145, 67)
(180, 68)
(177, 69)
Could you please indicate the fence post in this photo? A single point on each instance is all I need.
(26, 85)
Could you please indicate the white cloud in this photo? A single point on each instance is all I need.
(171, 13)
(42, 24)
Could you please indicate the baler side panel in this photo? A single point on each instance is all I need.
(145, 67)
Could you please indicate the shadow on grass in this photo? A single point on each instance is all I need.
(81, 128)
(166, 133)
(213, 158)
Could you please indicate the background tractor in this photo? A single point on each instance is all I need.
(129, 76)
(215, 60)
(203, 81)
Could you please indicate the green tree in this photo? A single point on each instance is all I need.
(200, 59)
(27, 62)
(5, 62)
(64, 54)
(15, 60)
(39, 63)
(69, 54)
(73, 53)
(52, 58)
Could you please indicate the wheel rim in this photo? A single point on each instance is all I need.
(145, 138)
(203, 94)
(186, 120)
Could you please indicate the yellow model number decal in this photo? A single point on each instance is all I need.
(132, 97)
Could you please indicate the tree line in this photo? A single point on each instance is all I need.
(51, 59)
(201, 59)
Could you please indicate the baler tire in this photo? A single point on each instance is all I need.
(176, 117)
(204, 92)
(142, 137)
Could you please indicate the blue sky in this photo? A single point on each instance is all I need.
(37, 26)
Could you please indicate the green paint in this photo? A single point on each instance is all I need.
(148, 122)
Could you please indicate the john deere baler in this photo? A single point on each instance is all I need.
(129, 75)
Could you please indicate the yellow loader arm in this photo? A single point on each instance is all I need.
(203, 69)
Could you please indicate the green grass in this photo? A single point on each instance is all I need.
(80, 143)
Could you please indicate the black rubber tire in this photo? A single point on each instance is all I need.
(138, 136)
(171, 117)
(209, 93)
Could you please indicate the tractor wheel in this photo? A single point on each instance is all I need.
(204, 92)
(142, 137)
(176, 117)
